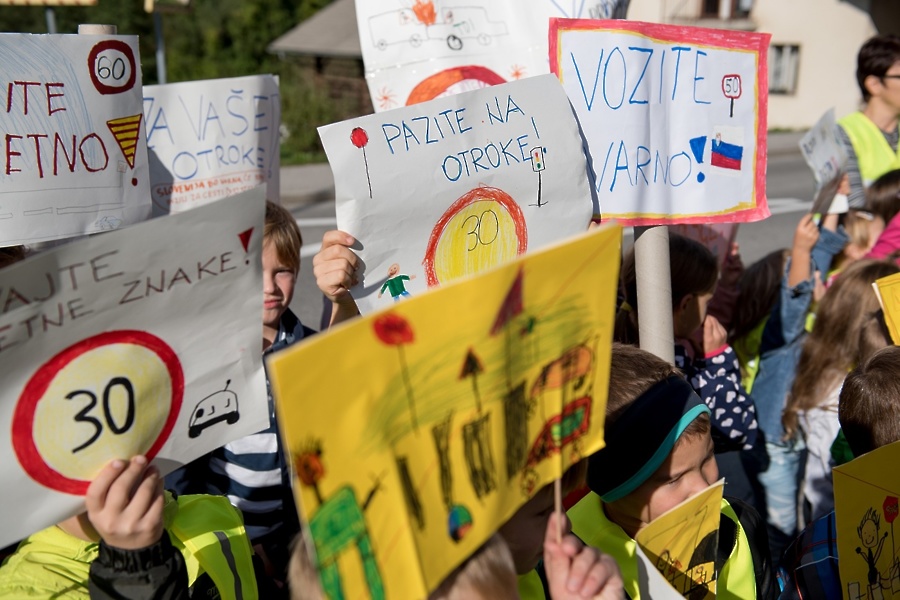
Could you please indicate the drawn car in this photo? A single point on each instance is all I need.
(217, 407)
(452, 27)
(574, 365)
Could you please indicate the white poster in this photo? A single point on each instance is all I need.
(212, 139)
(73, 154)
(139, 341)
(822, 150)
(418, 50)
(457, 185)
(675, 118)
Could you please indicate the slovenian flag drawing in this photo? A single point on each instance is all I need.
(726, 156)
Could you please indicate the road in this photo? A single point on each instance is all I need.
(789, 186)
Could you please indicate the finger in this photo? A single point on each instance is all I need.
(335, 253)
(155, 513)
(556, 563)
(145, 495)
(123, 487)
(336, 237)
(581, 565)
(95, 498)
(613, 586)
(571, 546)
(335, 269)
(335, 283)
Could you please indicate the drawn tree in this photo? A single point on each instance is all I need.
(459, 519)
(479, 458)
(472, 367)
(413, 504)
(394, 330)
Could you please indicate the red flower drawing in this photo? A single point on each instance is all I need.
(360, 138)
(394, 330)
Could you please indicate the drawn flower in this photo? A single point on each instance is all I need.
(360, 138)
(394, 330)
(309, 468)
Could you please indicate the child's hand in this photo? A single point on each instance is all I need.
(714, 336)
(125, 504)
(576, 571)
(806, 235)
(335, 266)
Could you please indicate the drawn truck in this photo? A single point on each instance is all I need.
(452, 26)
(568, 374)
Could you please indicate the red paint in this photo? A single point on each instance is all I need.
(118, 46)
(23, 417)
(245, 238)
(482, 192)
(359, 137)
(393, 330)
(724, 162)
(890, 508)
(435, 85)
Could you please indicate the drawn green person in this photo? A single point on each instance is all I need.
(868, 533)
(394, 283)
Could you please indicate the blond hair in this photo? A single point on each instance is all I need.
(488, 574)
(281, 230)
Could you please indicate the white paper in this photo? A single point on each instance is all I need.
(674, 118)
(170, 304)
(418, 50)
(212, 139)
(452, 187)
(822, 150)
(73, 158)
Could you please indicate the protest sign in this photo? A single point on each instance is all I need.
(456, 407)
(822, 150)
(682, 543)
(454, 186)
(212, 139)
(74, 159)
(114, 345)
(865, 508)
(674, 117)
(888, 290)
(426, 49)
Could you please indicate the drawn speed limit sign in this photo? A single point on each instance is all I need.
(112, 67)
(112, 395)
(731, 87)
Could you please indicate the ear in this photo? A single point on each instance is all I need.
(683, 303)
(873, 84)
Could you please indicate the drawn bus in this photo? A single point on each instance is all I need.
(453, 26)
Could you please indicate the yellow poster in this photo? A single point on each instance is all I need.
(889, 291)
(416, 431)
(866, 490)
(682, 543)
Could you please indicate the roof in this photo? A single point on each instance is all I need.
(331, 32)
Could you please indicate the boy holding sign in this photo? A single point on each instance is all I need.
(650, 465)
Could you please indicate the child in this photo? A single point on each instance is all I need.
(658, 453)
(252, 471)
(869, 415)
(710, 366)
(776, 296)
(883, 201)
(117, 549)
(829, 351)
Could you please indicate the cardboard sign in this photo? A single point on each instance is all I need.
(682, 543)
(73, 160)
(421, 50)
(115, 345)
(451, 187)
(888, 290)
(866, 506)
(822, 150)
(212, 139)
(674, 117)
(456, 407)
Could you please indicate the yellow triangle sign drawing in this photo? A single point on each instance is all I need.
(126, 130)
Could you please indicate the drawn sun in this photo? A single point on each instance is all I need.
(386, 99)
(517, 72)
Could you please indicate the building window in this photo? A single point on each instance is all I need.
(738, 9)
(784, 62)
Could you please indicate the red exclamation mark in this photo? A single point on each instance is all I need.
(245, 242)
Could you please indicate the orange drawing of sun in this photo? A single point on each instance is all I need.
(517, 72)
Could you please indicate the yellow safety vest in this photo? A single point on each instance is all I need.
(207, 530)
(873, 154)
(736, 581)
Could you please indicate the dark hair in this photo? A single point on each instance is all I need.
(883, 196)
(876, 56)
(759, 286)
(694, 270)
(869, 407)
(11, 254)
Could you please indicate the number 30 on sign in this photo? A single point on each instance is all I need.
(113, 395)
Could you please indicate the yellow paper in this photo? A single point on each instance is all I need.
(683, 542)
(889, 290)
(417, 431)
(866, 490)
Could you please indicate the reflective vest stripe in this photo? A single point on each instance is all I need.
(225, 545)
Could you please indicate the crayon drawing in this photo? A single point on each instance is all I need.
(445, 394)
(866, 507)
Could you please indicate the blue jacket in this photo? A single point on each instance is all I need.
(783, 337)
